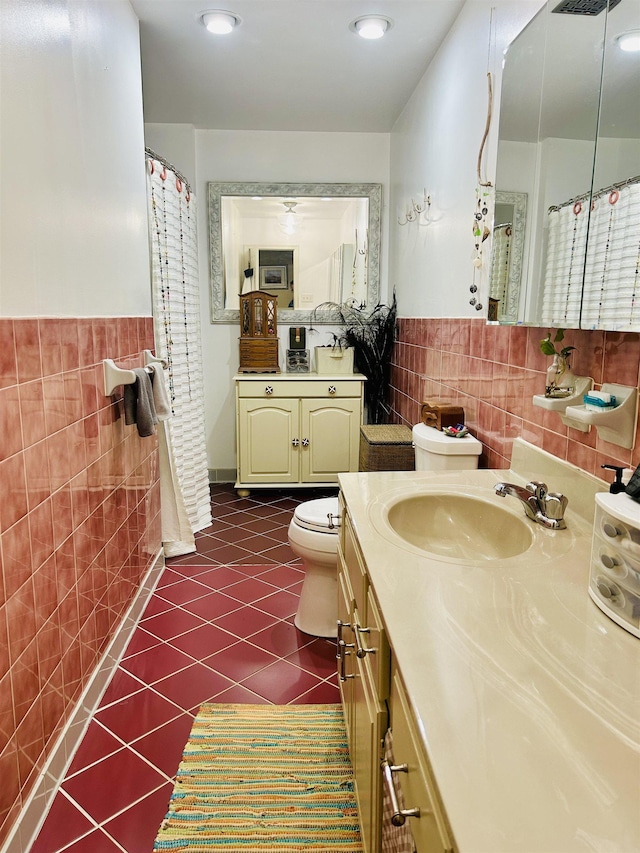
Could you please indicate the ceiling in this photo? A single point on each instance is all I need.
(290, 65)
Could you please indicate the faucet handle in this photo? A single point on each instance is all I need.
(538, 489)
(556, 505)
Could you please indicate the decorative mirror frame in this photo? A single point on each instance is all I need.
(373, 192)
(514, 285)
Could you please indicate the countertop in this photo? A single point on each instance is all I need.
(526, 694)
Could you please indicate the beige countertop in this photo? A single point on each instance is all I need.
(527, 695)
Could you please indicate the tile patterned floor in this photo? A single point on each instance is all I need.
(219, 627)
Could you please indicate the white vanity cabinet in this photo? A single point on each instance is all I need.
(294, 431)
(374, 698)
(363, 674)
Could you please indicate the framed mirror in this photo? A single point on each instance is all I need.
(307, 243)
(507, 251)
(569, 127)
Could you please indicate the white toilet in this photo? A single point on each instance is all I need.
(314, 529)
(313, 536)
(436, 451)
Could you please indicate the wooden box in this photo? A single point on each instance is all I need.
(386, 447)
(258, 333)
(440, 415)
(258, 355)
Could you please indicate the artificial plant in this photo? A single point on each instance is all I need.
(371, 335)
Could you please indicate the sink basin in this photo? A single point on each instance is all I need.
(458, 526)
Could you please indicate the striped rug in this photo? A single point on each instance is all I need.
(264, 778)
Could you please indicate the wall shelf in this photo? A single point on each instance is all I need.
(616, 425)
(561, 404)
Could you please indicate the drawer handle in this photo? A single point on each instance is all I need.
(295, 442)
(342, 653)
(341, 625)
(268, 390)
(361, 652)
(399, 815)
(305, 442)
(333, 389)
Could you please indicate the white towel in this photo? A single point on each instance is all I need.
(160, 393)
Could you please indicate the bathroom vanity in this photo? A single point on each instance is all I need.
(296, 431)
(513, 700)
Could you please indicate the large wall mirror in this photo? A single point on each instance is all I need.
(308, 244)
(569, 137)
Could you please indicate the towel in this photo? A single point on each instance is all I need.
(138, 404)
(160, 393)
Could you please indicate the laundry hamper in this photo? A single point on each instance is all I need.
(386, 447)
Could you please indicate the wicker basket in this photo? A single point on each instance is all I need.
(386, 447)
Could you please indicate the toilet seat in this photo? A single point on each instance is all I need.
(321, 515)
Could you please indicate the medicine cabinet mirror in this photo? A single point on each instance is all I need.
(569, 138)
(306, 243)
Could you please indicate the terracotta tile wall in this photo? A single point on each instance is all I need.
(79, 525)
(494, 372)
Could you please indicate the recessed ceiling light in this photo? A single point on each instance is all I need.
(629, 41)
(219, 22)
(371, 26)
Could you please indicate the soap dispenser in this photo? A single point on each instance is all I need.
(617, 486)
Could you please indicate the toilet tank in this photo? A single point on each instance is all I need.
(436, 451)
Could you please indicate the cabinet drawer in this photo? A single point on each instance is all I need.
(430, 830)
(355, 567)
(371, 642)
(322, 388)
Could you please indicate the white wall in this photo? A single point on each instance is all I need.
(434, 146)
(222, 155)
(74, 239)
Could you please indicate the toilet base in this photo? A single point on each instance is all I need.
(317, 609)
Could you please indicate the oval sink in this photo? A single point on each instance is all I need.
(459, 527)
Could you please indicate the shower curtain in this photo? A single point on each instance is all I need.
(184, 480)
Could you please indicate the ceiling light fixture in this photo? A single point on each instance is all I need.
(219, 22)
(291, 221)
(371, 26)
(629, 41)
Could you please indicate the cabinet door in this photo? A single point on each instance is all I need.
(369, 725)
(430, 828)
(332, 432)
(346, 651)
(267, 432)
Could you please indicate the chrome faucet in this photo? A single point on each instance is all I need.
(540, 505)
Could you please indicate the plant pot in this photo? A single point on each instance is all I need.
(560, 381)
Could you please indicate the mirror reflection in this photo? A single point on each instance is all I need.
(567, 94)
(307, 244)
(507, 250)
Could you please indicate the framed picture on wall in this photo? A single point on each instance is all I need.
(273, 278)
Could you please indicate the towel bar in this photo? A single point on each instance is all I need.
(114, 376)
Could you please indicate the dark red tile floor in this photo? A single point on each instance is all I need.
(219, 627)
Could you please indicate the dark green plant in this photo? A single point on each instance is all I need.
(371, 334)
(547, 346)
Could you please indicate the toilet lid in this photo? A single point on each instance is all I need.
(314, 515)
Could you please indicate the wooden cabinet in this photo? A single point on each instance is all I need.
(429, 827)
(374, 698)
(293, 431)
(363, 656)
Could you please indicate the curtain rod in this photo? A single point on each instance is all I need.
(154, 156)
(596, 194)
